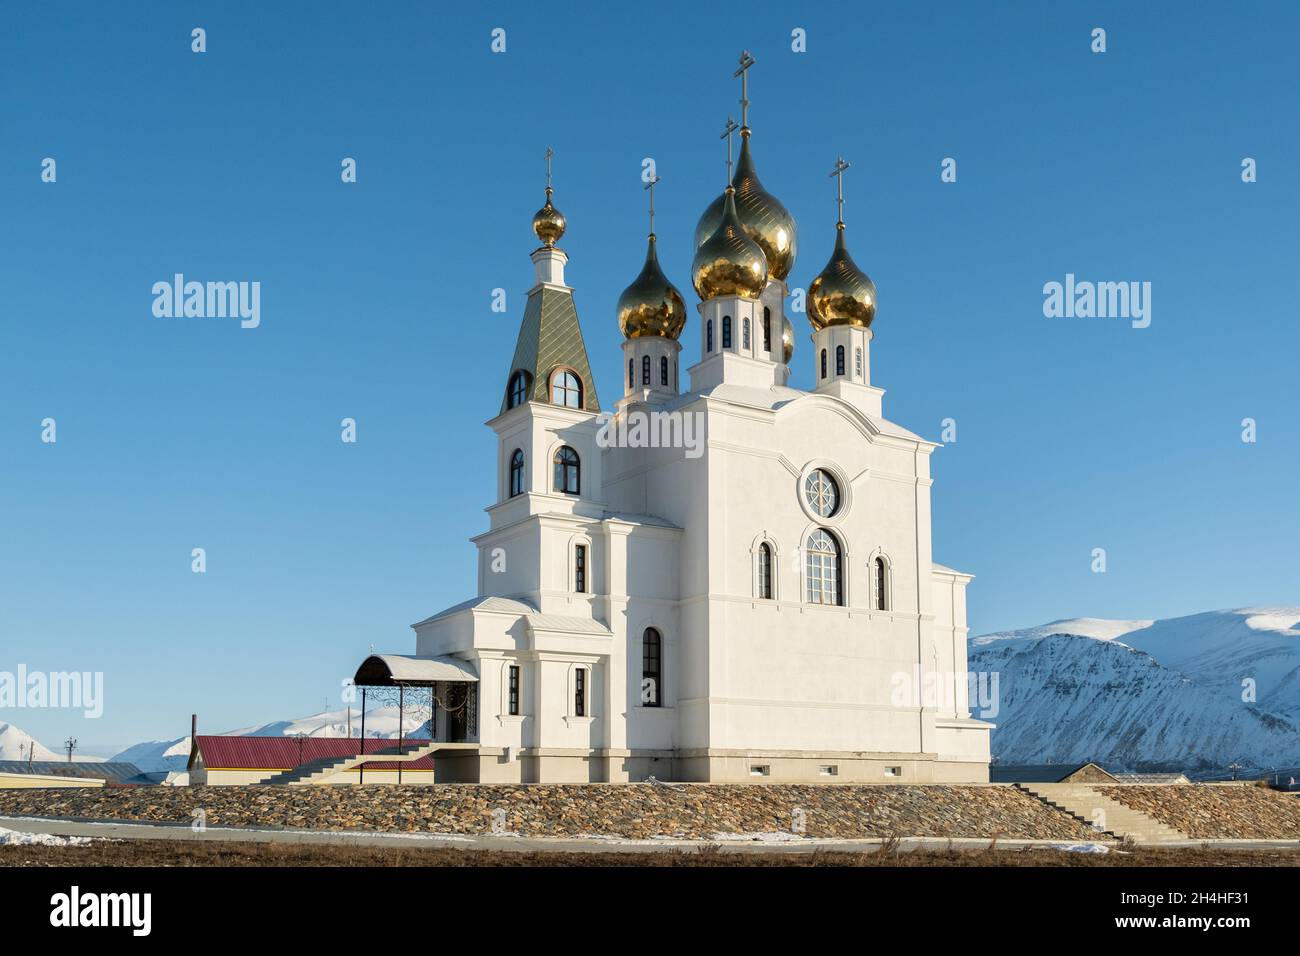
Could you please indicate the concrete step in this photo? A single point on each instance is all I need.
(1086, 804)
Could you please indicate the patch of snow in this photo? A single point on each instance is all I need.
(769, 836)
(17, 838)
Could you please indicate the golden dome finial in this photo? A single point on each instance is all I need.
(729, 262)
(842, 294)
(761, 214)
(651, 305)
(548, 222)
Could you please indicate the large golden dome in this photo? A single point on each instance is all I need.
(787, 340)
(729, 262)
(842, 294)
(548, 223)
(765, 220)
(651, 305)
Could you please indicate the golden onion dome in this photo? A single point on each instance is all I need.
(651, 305)
(729, 262)
(766, 221)
(548, 223)
(842, 294)
(787, 340)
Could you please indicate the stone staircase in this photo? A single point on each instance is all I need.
(1086, 803)
(315, 771)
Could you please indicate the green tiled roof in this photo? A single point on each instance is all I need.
(550, 337)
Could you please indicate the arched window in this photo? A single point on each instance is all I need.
(744, 335)
(631, 374)
(663, 370)
(708, 336)
(765, 571)
(857, 362)
(839, 360)
(517, 393)
(823, 568)
(767, 329)
(645, 370)
(517, 473)
(652, 666)
(568, 471)
(566, 388)
(879, 585)
(823, 363)
(726, 331)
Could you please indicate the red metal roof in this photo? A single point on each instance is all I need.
(285, 753)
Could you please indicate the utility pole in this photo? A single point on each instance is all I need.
(70, 745)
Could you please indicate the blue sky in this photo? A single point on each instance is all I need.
(173, 434)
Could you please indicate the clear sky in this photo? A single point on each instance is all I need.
(1072, 433)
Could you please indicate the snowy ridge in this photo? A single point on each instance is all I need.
(1172, 693)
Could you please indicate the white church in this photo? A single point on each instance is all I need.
(750, 597)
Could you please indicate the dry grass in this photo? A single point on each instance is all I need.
(889, 853)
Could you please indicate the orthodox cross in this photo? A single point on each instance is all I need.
(650, 185)
(726, 134)
(549, 153)
(746, 61)
(838, 173)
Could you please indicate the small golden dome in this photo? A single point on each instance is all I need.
(766, 221)
(549, 222)
(729, 262)
(842, 294)
(787, 340)
(651, 305)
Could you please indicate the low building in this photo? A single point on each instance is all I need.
(1050, 773)
(22, 775)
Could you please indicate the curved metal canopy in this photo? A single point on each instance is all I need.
(393, 670)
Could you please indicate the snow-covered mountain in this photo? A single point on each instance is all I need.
(1194, 693)
(167, 755)
(16, 742)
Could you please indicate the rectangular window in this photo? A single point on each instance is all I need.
(514, 691)
(580, 568)
(760, 770)
(580, 692)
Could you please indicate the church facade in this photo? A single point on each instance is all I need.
(724, 578)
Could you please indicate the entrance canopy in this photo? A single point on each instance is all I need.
(395, 670)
